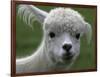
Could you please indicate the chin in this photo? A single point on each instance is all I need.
(67, 59)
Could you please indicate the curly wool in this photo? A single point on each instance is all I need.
(65, 19)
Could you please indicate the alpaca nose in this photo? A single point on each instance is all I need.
(67, 47)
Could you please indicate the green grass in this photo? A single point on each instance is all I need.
(27, 40)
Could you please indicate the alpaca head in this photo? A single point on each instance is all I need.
(63, 28)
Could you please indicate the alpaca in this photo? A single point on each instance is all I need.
(62, 28)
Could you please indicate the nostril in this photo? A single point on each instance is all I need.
(67, 47)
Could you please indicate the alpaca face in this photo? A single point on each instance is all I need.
(61, 44)
(62, 31)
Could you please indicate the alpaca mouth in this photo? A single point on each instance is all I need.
(67, 57)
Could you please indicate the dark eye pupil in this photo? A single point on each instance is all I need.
(78, 36)
(52, 34)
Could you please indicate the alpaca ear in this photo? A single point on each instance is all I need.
(88, 32)
(30, 13)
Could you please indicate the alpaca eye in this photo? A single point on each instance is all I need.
(77, 36)
(52, 35)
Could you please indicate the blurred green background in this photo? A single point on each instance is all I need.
(28, 40)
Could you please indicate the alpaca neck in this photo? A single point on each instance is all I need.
(42, 58)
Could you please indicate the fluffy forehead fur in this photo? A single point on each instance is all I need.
(64, 19)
